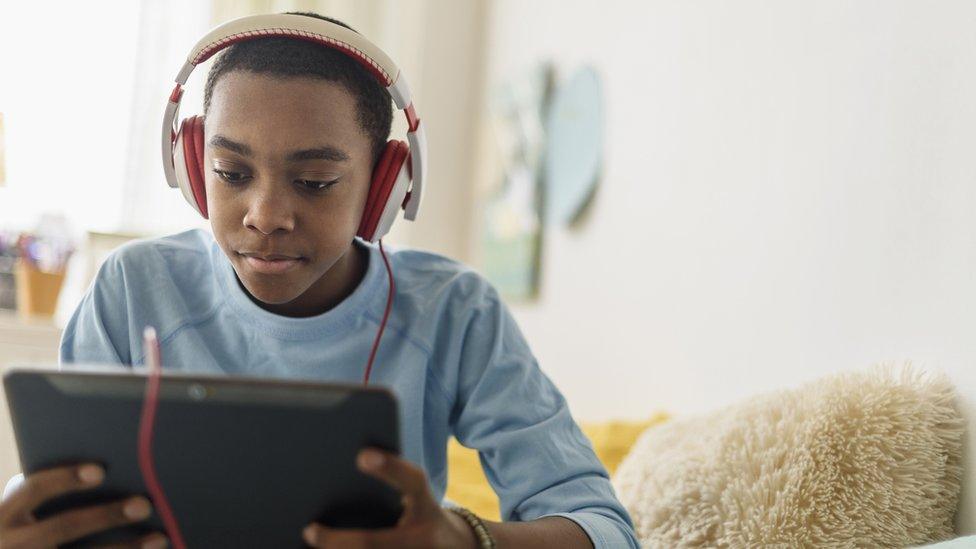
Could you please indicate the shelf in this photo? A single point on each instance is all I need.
(27, 339)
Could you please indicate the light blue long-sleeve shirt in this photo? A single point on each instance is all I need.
(451, 353)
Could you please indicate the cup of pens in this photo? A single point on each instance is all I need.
(39, 273)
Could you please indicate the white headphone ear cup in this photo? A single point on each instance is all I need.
(394, 203)
(179, 167)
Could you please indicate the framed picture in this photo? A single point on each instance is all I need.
(512, 224)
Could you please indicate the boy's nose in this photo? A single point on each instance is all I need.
(268, 212)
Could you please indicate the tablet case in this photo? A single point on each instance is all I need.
(244, 462)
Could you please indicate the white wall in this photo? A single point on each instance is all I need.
(790, 190)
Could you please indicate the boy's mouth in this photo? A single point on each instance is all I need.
(270, 263)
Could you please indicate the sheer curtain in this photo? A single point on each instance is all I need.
(167, 31)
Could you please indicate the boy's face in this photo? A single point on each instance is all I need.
(287, 169)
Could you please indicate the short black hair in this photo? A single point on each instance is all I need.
(287, 57)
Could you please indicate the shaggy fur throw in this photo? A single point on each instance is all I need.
(854, 460)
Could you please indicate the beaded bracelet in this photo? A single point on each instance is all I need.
(485, 541)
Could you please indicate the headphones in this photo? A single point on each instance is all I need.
(398, 176)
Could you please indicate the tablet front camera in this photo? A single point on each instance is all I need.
(197, 391)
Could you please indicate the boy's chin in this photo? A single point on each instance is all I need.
(273, 296)
(270, 292)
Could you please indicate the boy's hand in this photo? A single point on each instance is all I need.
(424, 523)
(19, 528)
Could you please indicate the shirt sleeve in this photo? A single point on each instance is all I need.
(98, 331)
(533, 453)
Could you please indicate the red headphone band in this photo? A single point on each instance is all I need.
(211, 49)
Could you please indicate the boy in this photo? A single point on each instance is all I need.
(284, 289)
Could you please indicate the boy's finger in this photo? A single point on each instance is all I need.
(152, 541)
(44, 485)
(402, 475)
(71, 525)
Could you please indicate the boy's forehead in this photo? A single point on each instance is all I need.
(282, 111)
(251, 94)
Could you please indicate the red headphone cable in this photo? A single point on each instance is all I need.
(146, 423)
(386, 316)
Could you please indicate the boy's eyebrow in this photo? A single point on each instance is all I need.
(319, 153)
(233, 146)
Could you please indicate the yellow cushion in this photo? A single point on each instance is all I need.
(467, 485)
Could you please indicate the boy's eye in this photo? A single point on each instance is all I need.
(231, 177)
(313, 185)
(236, 178)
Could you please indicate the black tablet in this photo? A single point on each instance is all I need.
(244, 462)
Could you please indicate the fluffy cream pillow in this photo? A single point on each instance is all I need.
(855, 460)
